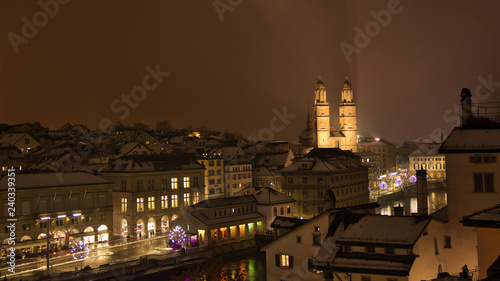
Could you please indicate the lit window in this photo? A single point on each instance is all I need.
(196, 197)
(151, 203)
(140, 204)
(285, 261)
(164, 202)
(186, 199)
(173, 182)
(175, 204)
(124, 205)
(186, 182)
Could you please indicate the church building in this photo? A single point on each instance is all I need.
(319, 133)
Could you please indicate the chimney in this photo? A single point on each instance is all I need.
(399, 211)
(465, 100)
(422, 192)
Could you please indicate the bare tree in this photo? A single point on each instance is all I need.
(140, 127)
(163, 127)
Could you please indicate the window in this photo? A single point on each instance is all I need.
(163, 183)
(124, 205)
(196, 197)
(320, 180)
(447, 241)
(389, 251)
(140, 204)
(186, 182)
(347, 248)
(174, 204)
(370, 250)
(151, 184)
(394, 279)
(288, 209)
(285, 261)
(317, 240)
(320, 194)
(415, 166)
(275, 211)
(211, 163)
(304, 194)
(304, 179)
(186, 199)
(151, 203)
(316, 229)
(305, 209)
(211, 172)
(140, 185)
(164, 201)
(483, 182)
(26, 141)
(290, 180)
(282, 211)
(173, 183)
(211, 181)
(366, 278)
(196, 181)
(124, 186)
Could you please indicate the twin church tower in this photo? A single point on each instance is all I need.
(319, 133)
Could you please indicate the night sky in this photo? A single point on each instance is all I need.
(231, 73)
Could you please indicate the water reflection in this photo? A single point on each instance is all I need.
(436, 199)
(254, 266)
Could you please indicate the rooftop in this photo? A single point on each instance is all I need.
(470, 140)
(52, 179)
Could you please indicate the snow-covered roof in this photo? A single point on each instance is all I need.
(385, 230)
(266, 195)
(285, 222)
(427, 149)
(226, 201)
(465, 140)
(224, 220)
(326, 160)
(489, 217)
(52, 179)
(153, 162)
(371, 266)
(10, 139)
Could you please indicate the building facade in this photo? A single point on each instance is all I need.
(322, 170)
(69, 207)
(223, 221)
(151, 193)
(237, 170)
(385, 149)
(214, 174)
(427, 157)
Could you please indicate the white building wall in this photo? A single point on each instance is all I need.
(301, 252)
(462, 201)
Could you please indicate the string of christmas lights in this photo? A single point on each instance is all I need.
(80, 251)
(177, 235)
